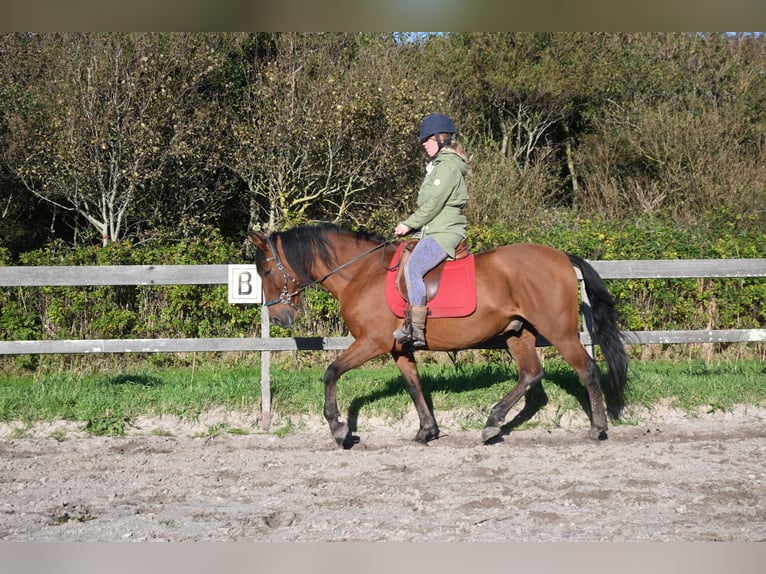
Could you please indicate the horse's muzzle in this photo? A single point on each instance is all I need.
(284, 319)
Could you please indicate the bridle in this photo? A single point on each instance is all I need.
(286, 296)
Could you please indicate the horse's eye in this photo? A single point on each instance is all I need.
(267, 273)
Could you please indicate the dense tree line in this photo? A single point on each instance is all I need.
(157, 137)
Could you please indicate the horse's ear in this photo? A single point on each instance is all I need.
(258, 238)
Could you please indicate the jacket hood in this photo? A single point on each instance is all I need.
(449, 156)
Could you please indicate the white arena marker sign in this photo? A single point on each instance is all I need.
(244, 284)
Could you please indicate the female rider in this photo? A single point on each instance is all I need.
(438, 219)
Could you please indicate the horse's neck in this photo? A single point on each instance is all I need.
(347, 273)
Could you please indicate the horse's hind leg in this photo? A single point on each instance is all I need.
(522, 348)
(429, 430)
(590, 375)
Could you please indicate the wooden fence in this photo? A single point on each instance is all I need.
(219, 274)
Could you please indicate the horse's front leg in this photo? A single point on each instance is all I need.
(338, 428)
(405, 360)
(358, 353)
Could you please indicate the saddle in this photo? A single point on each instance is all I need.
(450, 286)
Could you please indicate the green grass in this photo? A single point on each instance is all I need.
(107, 403)
(698, 384)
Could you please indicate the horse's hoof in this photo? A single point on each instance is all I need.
(488, 433)
(598, 434)
(426, 435)
(341, 434)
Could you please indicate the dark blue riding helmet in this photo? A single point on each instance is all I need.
(436, 124)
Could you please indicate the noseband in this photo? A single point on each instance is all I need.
(286, 296)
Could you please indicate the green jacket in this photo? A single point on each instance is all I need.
(441, 199)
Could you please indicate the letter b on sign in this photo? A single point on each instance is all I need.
(244, 284)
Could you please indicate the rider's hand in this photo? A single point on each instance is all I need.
(401, 229)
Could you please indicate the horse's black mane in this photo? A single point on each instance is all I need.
(303, 244)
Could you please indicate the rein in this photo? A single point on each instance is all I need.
(286, 296)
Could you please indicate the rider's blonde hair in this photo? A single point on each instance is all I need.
(454, 145)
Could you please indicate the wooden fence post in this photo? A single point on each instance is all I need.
(265, 371)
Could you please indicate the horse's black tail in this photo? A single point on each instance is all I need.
(607, 335)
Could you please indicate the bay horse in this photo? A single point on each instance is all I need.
(522, 289)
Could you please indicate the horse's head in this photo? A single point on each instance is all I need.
(280, 287)
(291, 261)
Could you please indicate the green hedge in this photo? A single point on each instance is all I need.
(658, 304)
(172, 311)
(176, 311)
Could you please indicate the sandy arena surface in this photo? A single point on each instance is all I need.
(670, 477)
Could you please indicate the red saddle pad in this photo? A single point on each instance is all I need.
(456, 296)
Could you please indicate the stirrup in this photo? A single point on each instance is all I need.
(403, 335)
